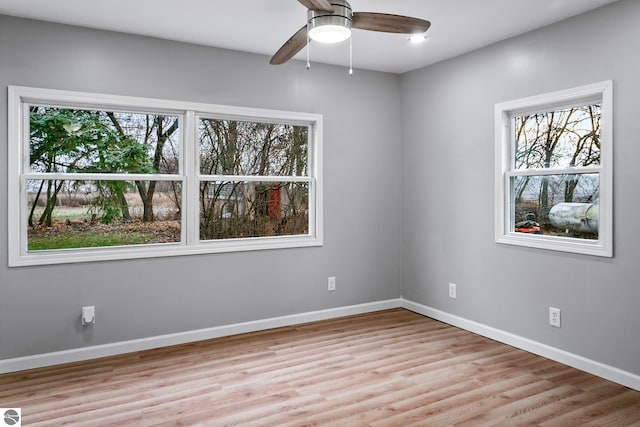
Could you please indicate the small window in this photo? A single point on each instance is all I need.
(553, 171)
(95, 177)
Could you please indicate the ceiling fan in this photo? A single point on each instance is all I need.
(331, 21)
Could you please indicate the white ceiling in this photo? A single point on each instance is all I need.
(262, 26)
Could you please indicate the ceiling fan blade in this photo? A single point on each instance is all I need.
(388, 23)
(320, 5)
(290, 47)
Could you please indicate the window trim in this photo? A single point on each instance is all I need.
(18, 158)
(504, 111)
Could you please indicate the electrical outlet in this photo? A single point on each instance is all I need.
(452, 290)
(331, 284)
(554, 317)
(89, 315)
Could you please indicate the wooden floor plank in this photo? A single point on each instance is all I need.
(389, 368)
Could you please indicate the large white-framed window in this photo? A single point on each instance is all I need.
(554, 172)
(98, 177)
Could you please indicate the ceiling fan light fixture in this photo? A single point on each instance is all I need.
(329, 33)
(330, 27)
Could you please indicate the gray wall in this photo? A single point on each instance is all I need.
(40, 306)
(448, 184)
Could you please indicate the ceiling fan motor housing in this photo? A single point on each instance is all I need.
(340, 18)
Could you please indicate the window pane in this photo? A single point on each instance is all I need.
(64, 214)
(556, 205)
(558, 139)
(230, 210)
(229, 147)
(94, 141)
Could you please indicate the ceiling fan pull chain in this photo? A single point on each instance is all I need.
(351, 56)
(308, 44)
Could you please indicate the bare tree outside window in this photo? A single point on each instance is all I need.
(557, 204)
(234, 206)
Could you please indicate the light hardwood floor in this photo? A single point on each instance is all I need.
(390, 368)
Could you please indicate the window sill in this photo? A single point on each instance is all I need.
(562, 244)
(163, 250)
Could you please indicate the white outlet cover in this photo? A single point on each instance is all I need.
(331, 284)
(554, 317)
(88, 315)
(452, 290)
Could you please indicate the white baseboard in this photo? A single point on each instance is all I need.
(93, 352)
(610, 373)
